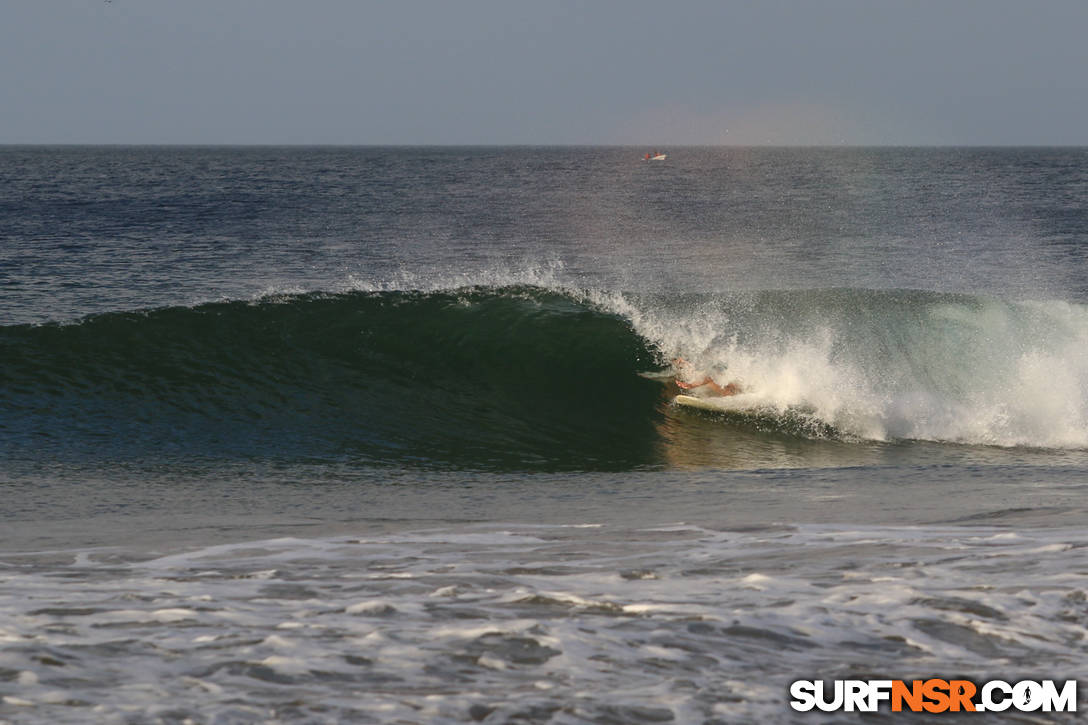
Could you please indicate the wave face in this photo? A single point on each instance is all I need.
(523, 377)
(512, 377)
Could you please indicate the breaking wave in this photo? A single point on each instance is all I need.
(516, 377)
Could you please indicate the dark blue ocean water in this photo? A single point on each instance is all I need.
(327, 434)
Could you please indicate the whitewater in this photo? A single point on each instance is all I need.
(365, 434)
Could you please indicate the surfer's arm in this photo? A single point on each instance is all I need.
(727, 389)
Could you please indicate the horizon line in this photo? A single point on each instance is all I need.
(229, 144)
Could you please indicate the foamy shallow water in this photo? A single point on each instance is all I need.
(550, 623)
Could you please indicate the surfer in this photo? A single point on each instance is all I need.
(683, 368)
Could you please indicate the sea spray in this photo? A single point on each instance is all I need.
(886, 365)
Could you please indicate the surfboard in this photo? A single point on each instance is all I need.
(748, 411)
(745, 411)
(732, 404)
(690, 401)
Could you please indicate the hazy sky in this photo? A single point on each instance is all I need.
(544, 72)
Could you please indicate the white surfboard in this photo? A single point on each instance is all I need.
(749, 411)
(740, 403)
(690, 401)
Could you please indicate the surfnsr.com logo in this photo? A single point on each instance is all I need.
(934, 695)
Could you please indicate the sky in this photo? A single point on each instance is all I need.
(802, 72)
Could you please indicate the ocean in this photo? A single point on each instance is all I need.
(294, 434)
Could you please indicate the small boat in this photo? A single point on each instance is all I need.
(655, 156)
